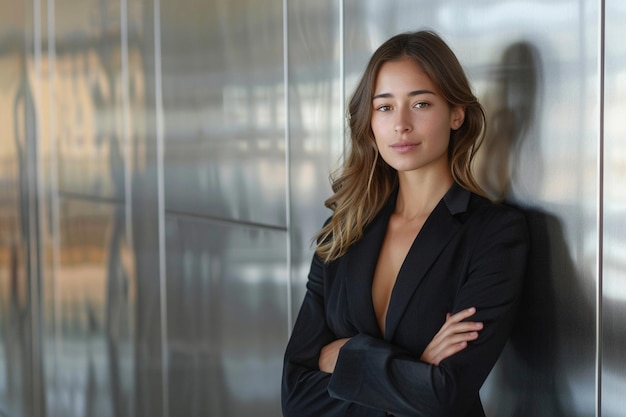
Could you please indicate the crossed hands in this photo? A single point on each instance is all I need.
(450, 339)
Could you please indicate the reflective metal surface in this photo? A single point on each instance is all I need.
(87, 75)
(224, 109)
(613, 371)
(316, 125)
(164, 165)
(93, 341)
(17, 139)
(227, 318)
(90, 285)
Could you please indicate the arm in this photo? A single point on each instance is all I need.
(450, 339)
(374, 373)
(453, 337)
(304, 387)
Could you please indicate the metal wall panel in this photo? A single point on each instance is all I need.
(534, 67)
(316, 124)
(92, 368)
(164, 165)
(227, 317)
(17, 153)
(144, 137)
(223, 100)
(87, 108)
(89, 288)
(613, 371)
(224, 160)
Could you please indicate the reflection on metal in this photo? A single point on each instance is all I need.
(227, 309)
(529, 378)
(513, 111)
(613, 343)
(90, 90)
(223, 86)
(316, 124)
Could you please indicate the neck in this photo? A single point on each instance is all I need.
(419, 194)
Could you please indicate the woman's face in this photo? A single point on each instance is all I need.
(411, 120)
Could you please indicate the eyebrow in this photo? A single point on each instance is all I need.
(411, 94)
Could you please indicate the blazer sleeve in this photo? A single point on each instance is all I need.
(374, 373)
(304, 388)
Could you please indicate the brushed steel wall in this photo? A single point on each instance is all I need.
(613, 328)
(20, 392)
(164, 167)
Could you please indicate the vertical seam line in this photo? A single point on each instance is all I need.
(600, 216)
(160, 203)
(342, 75)
(126, 120)
(35, 225)
(287, 165)
(126, 139)
(54, 193)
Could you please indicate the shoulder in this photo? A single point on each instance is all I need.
(466, 205)
(482, 207)
(496, 220)
(477, 213)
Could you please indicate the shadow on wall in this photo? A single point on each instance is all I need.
(532, 376)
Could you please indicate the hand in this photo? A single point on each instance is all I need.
(329, 355)
(452, 337)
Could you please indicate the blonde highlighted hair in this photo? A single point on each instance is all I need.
(364, 182)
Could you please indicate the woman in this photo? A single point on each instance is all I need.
(410, 252)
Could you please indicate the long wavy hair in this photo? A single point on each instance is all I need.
(364, 182)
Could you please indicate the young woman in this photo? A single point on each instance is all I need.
(410, 253)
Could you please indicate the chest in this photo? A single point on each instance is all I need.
(404, 301)
(399, 238)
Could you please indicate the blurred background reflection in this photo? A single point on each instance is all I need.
(163, 167)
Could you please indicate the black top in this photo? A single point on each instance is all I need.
(469, 253)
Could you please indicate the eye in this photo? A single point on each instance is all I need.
(421, 105)
(383, 107)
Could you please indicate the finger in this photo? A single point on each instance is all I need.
(453, 340)
(460, 337)
(452, 328)
(442, 343)
(458, 317)
(463, 314)
(450, 351)
(464, 326)
(435, 357)
(452, 345)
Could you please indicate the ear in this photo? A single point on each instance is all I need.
(457, 117)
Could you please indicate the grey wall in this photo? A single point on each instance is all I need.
(163, 166)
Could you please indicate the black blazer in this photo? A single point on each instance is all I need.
(469, 252)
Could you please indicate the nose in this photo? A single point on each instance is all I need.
(402, 123)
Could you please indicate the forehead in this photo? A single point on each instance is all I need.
(402, 74)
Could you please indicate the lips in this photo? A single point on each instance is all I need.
(403, 147)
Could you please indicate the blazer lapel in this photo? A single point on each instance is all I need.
(437, 231)
(360, 265)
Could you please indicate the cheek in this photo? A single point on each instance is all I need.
(445, 130)
(377, 143)
(374, 124)
(375, 130)
(379, 127)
